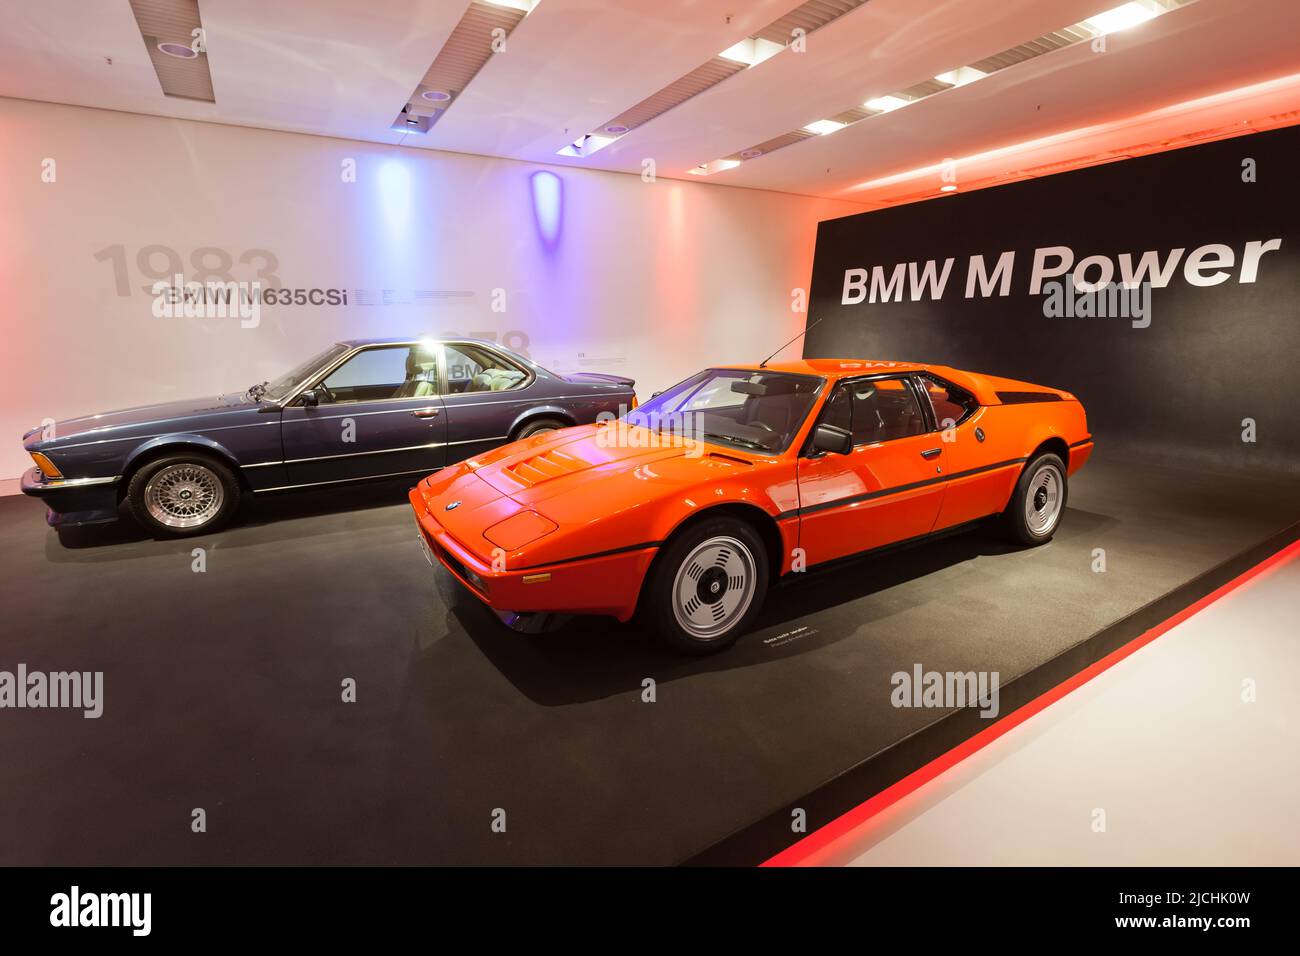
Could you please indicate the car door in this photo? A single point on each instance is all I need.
(484, 394)
(888, 488)
(378, 413)
(978, 485)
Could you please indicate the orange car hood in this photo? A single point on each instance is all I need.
(589, 460)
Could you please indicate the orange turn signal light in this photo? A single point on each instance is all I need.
(536, 578)
(46, 466)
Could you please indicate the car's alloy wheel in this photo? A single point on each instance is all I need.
(540, 426)
(714, 587)
(1038, 501)
(183, 494)
(188, 495)
(707, 585)
(1043, 499)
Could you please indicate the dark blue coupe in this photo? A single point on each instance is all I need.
(365, 408)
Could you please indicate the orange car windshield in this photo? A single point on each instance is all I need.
(754, 410)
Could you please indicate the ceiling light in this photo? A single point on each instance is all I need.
(436, 96)
(1121, 18)
(178, 50)
(524, 5)
(822, 127)
(751, 51)
(617, 129)
(751, 153)
(584, 146)
(742, 52)
(883, 104)
(961, 76)
(717, 166)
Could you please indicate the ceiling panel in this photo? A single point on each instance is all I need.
(573, 65)
(346, 67)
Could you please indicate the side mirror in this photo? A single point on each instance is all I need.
(310, 397)
(832, 438)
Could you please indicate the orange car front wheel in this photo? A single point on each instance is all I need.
(707, 586)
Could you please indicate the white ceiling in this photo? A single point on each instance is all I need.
(346, 67)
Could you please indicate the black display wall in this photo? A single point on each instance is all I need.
(1218, 345)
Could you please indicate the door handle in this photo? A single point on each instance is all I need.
(426, 412)
(931, 453)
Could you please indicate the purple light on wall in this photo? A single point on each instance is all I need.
(548, 207)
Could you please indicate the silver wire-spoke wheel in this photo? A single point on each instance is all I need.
(185, 495)
(1043, 499)
(714, 587)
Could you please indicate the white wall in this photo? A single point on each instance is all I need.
(651, 280)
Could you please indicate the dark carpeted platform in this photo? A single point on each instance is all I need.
(222, 689)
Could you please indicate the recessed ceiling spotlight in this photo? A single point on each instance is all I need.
(948, 189)
(883, 104)
(179, 50)
(961, 76)
(436, 96)
(1121, 18)
(751, 51)
(822, 127)
(617, 129)
(750, 153)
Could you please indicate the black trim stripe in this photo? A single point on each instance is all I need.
(1027, 398)
(1086, 441)
(898, 489)
(596, 554)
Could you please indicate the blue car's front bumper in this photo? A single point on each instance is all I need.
(72, 501)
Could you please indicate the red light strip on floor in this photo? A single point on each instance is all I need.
(820, 845)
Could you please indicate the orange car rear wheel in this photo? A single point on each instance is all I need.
(1038, 501)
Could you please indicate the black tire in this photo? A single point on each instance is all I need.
(701, 545)
(538, 425)
(1033, 520)
(159, 493)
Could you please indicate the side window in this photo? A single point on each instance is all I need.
(839, 409)
(883, 410)
(474, 369)
(951, 404)
(370, 375)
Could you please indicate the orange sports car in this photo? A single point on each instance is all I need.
(684, 510)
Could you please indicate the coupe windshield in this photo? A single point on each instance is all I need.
(755, 410)
(279, 389)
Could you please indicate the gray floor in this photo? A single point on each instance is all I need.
(223, 688)
(1186, 771)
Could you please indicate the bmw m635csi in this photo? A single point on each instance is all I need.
(778, 468)
(361, 409)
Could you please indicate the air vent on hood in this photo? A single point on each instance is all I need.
(172, 32)
(466, 51)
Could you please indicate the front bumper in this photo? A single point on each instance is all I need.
(598, 584)
(72, 501)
